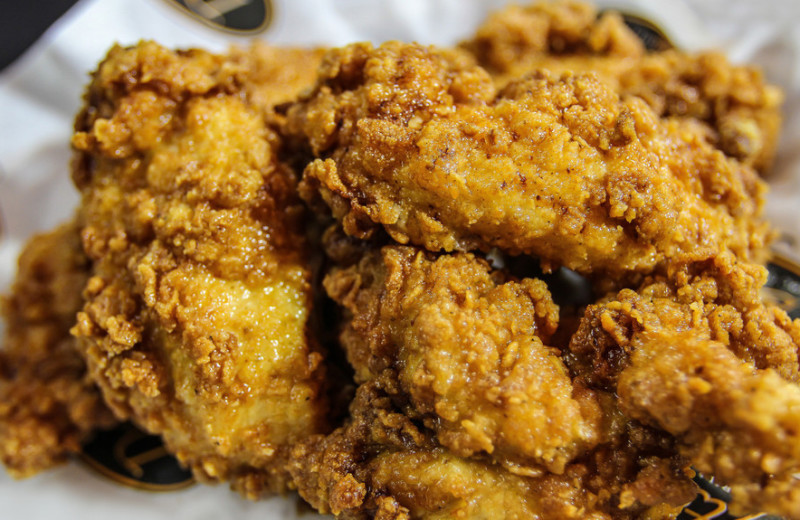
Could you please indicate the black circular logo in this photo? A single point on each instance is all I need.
(651, 35)
(239, 16)
(133, 458)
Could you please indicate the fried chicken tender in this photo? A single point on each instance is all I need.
(743, 110)
(417, 141)
(467, 347)
(195, 322)
(384, 465)
(48, 405)
(698, 355)
(515, 39)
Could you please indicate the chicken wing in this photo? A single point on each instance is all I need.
(743, 111)
(698, 355)
(195, 324)
(48, 404)
(417, 141)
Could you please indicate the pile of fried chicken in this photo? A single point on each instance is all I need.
(229, 200)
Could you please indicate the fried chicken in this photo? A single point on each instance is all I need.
(468, 349)
(384, 465)
(700, 356)
(188, 277)
(195, 322)
(48, 405)
(417, 141)
(742, 110)
(455, 413)
(700, 365)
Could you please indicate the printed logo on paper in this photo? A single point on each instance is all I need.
(651, 35)
(783, 285)
(135, 459)
(239, 16)
(711, 503)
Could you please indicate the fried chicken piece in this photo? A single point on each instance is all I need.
(430, 334)
(384, 465)
(48, 405)
(743, 111)
(195, 324)
(699, 355)
(467, 347)
(416, 140)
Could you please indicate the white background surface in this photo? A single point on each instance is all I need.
(40, 93)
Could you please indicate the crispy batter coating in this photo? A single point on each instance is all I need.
(455, 413)
(718, 300)
(468, 348)
(733, 422)
(48, 405)
(416, 140)
(742, 110)
(699, 355)
(195, 324)
(384, 465)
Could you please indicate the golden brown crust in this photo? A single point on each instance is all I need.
(451, 418)
(381, 464)
(468, 349)
(742, 110)
(716, 405)
(198, 288)
(417, 141)
(718, 299)
(48, 405)
(272, 77)
(195, 324)
(699, 355)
